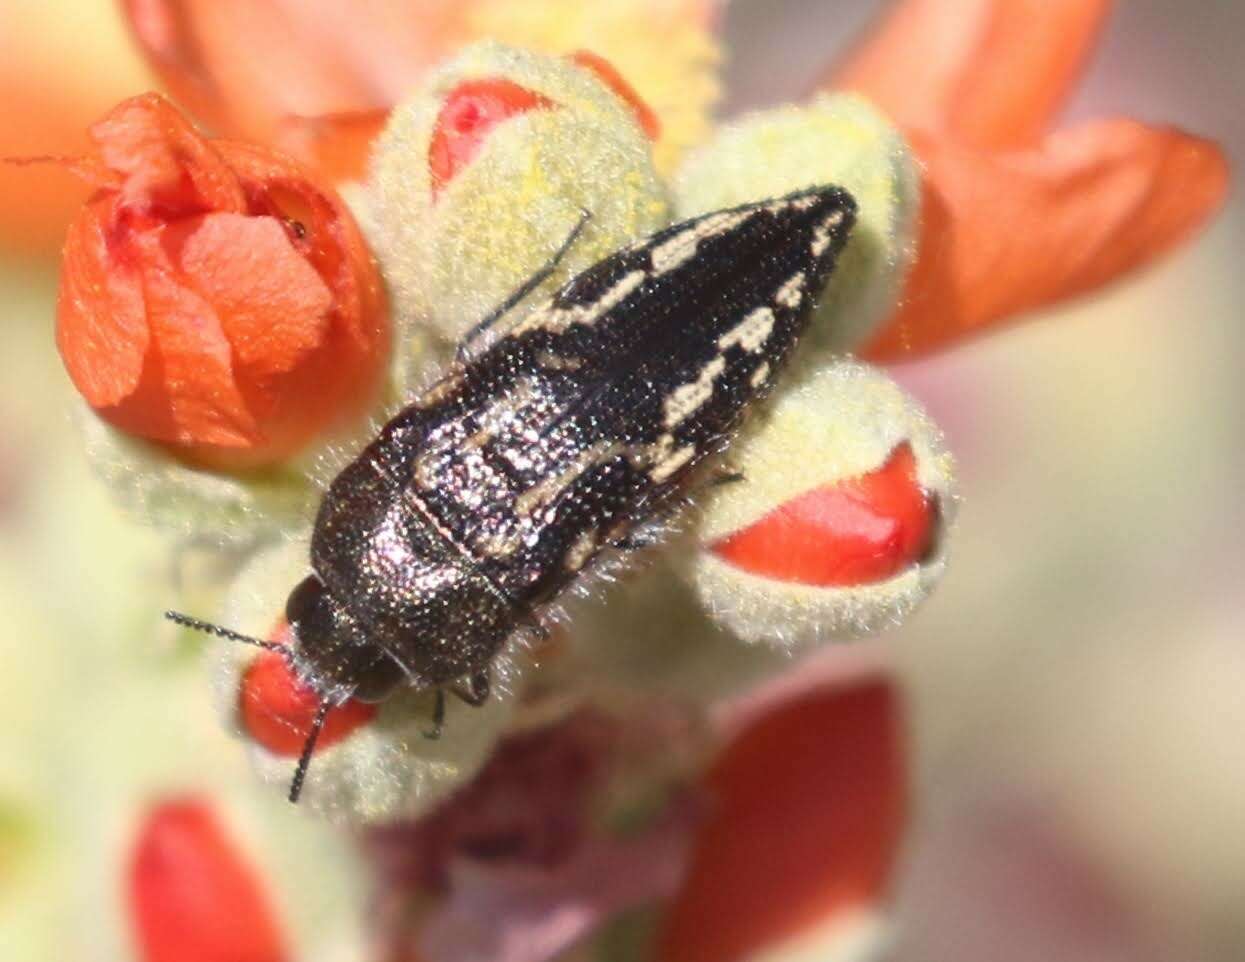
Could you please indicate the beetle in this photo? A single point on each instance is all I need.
(553, 436)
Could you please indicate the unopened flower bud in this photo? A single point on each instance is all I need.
(679, 87)
(482, 176)
(838, 525)
(832, 140)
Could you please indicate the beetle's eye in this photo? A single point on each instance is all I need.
(306, 602)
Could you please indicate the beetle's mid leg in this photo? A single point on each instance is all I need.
(725, 474)
(476, 690)
(438, 717)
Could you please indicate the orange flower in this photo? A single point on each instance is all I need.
(192, 896)
(807, 817)
(214, 297)
(319, 78)
(249, 68)
(1015, 217)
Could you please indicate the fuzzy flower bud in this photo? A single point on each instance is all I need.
(372, 761)
(840, 526)
(215, 298)
(839, 140)
(481, 177)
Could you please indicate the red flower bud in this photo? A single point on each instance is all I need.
(215, 297)
(851, 532)
(277, 709)
(471, 110)
(193, 897)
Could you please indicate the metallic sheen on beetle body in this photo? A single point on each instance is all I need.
(552, 439)
(484, 499)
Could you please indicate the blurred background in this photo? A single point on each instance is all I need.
(1077, 684)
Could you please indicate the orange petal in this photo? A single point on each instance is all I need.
(167, 166)
(101, 322)
(1002, 234)
(278, 710)
(992, 73)
(273, 306)
(247, 66)
(809, 807)
(334, 245)
(190, 393)
(192, 895)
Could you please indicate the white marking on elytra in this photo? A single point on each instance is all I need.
(797, 203)
(750, 333)
(674, 251)
(581, 550)
(502, 413)
(760, 374)
(558, 319)
(501, 544)
(557, 362)
(821, 236)
(444, 389)
(546, 490)
(792, 291)
(687, 398)
(668, 460)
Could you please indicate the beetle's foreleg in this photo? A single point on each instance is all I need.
(438, 717)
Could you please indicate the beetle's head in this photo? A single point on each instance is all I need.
(330, 650)
(328, 665)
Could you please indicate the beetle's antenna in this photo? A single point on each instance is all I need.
(219, 632)
(309, 746)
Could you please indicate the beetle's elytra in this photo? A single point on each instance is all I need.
(549, 440)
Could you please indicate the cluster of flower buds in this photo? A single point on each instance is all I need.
(223, 316)
(236, 333)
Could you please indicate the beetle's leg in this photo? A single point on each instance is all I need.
(475, 693)
(725, 475)
(467, 347)
(438, 716)
(646, 537)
